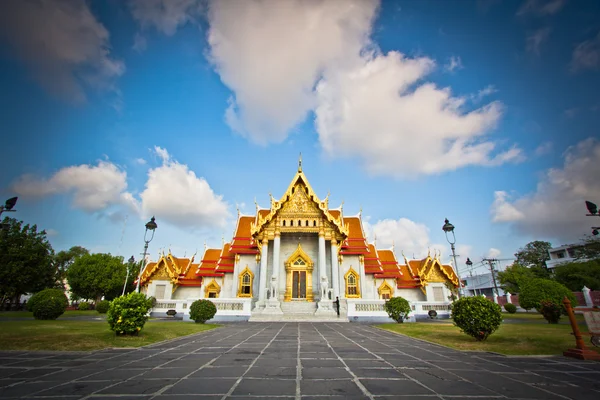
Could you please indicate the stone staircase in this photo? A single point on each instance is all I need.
(298, 311)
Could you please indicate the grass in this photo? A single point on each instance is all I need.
(73, 335)
(534, 316)
(510, 339)
(67, 314)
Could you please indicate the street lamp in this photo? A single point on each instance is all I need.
(9, 205)
(593, 212)
(150, 226)
(449, 228)
(131, 261)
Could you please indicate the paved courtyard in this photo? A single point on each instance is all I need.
(293, 361)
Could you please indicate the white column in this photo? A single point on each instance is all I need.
(276, 247)
(587, 296)
(361, 271)
(335, 269)
(495, 298)
(262, 282)
(508, 298)
(322, 270)
(236, 274)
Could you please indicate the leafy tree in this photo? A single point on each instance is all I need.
(589, 249)
(92, 276)
(576, 275)
(64, 259)
(534, 291)
(398, 308)
(534, 255)
(26, 260)
(513, 277)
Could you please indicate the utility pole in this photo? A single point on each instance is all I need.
(491, 262)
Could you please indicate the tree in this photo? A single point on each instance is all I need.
(576, 275)
(534, 254)
(534, 291)
(26, 260)
(514, 276)
(589, 249)
(64, 259)
(92, 276)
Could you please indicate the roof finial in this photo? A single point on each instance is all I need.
(205, 246)
(360, 212)
(375, 240)
(256, 204)
(300, 163)
(237, 207)
(393, 246)
(222, 239)
(428, 252)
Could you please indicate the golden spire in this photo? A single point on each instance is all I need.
(300, 163)
(256, 204)
(393, 246)
(428, 252)
(205, 246)
(375, 240)
(222, 239)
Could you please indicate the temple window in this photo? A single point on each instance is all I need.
(292, 222)
(438, 293)
(315, 222)
(299, 223)
(385, 291)
(159, 291)
(307, 223)
(352, 289)
(284, 222)
(245, 286)
(212, 290)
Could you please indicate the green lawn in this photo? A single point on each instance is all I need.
(72, 335)
(533, 316)
(511, 339)
(67, 314)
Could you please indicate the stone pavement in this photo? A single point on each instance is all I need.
(300, 361)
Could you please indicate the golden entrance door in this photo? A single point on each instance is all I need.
(298, 284)
(298, 269)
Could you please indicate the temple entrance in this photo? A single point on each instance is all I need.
(298, 268)
(298, 285)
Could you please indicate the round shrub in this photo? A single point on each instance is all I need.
(202, 310)
(510, 308)
(50, 308)
(83, 306)
(128, 314)
(476, 316)
(398, 309)
(45, 294)
(535, 290)
(102, 306)
(550, 311)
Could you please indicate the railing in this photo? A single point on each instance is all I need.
(423, 307)
(164, 305)
(376, 308)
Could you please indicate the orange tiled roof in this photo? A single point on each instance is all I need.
(372, 264)
(208, 265)
(226, 260)
(335, 213)
(355, 243)
(242, 242)
(389, 265)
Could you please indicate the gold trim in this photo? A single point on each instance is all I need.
(351, 271)
(212, 286)
(385, 288)
(290, 268)
(241, 278)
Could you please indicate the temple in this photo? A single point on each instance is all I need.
(291, 261)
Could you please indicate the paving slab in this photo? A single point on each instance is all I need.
(300, 361)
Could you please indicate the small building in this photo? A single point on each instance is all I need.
(562, 254)
(481, 284)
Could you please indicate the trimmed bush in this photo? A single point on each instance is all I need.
(102, 306)
(202, 310)
(535, 290)
(551, 311)
(44, 294)
(50, 308)
(83, 306)
(510, 308)
(397, 308)
(128, 314)
(476, 316)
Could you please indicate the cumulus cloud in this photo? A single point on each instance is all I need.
(271, 54)
(94, 188)
(540, 7)
(164, 15)
(175, 193)
(483, 93)
(586, 55)
(380, 113)
(493, 253)
(139, 43)
(543, 149)
(536, 39)
(62, 43)
(453, 64)
(556, 210)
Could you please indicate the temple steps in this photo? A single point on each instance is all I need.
(298, 311)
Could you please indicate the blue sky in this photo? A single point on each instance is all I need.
(483, 112)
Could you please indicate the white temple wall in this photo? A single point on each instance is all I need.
(249, 260)
(347, 262)
(437, 291)
(410, 294)
(369, 287)
(227, 285)
(164, 286)
(184, 293)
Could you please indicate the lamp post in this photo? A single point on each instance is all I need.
(593, 212)
(9, 205)
(469, 265)
(150, 226)
(449, 228)
(130, 262)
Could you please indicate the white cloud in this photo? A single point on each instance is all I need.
(571, 112)
(543, 149)
(536, 39)
(380, 113)
(454, 64)
(178, 196)
(556, 210)
(62, 43)
(94, 188)
(51, 232)
(140, 161)
(139, 43)
(483, 93)
(586, 55)
(164, 15)
(541, 7)
(271, 54)
(502, 210)
(493, 253)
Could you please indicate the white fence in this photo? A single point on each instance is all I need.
(226, 307)
(376, 308)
